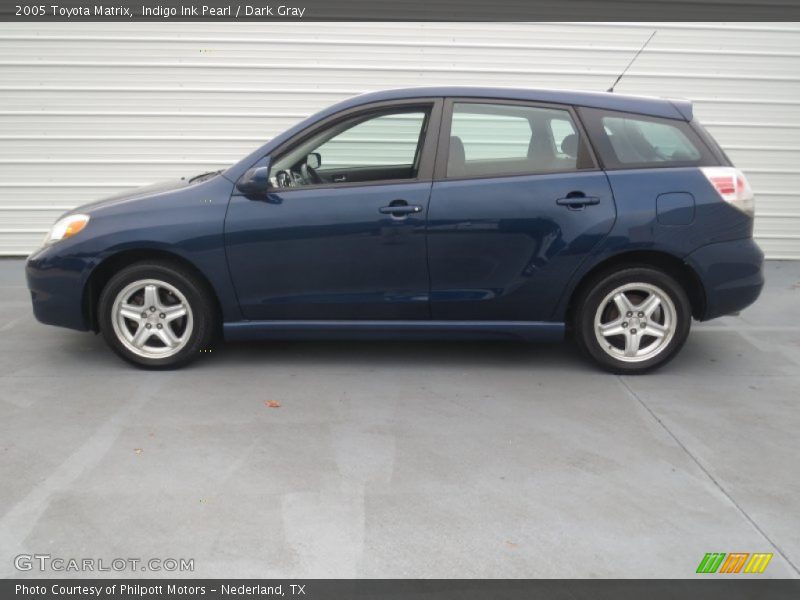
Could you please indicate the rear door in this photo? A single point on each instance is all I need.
(517, 203)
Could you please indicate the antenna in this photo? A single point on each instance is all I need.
(613, 85)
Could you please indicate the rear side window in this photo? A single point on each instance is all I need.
(488, 140)
(626, 141)
(491, 133)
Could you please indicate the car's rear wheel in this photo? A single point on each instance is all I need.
(156, 315)
(632, 321)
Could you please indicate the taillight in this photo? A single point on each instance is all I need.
(732, 186)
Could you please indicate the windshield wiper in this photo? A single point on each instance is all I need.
(204, 176)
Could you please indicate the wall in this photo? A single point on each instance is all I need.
(91, 109)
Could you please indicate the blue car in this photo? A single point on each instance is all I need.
(434, 213)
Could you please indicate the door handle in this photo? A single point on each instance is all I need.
(399, 208)
(577, 200)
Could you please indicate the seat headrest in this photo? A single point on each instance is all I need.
(456, 159)
(569, 145)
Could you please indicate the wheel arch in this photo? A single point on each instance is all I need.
(113, 263)
(684, 274)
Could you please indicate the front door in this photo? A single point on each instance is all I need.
(517, 205)
(342, 233)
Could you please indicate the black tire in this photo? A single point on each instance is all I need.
(201, 315)
(676, 309)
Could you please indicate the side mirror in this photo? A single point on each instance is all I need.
(314, 160)
(255, 182)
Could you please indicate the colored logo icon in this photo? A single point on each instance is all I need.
(735, 562)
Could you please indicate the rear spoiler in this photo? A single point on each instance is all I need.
(684, 107)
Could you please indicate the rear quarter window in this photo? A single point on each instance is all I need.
(629, 141)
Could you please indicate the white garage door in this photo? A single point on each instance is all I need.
(90, 109)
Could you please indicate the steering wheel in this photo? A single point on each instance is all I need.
(310, 175)
(284, 179)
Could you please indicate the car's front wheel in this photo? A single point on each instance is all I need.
(633, 320)
(156, 315)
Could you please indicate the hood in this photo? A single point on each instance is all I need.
(147, 191)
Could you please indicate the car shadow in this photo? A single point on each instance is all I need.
(708, 352)
(381, 354)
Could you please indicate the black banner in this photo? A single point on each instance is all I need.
(400, 10)
(388, 589)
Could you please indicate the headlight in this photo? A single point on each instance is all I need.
(66, 228)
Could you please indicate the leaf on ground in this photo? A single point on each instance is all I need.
(138, 451)
(272, 404)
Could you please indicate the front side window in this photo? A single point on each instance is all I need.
(505, 139)
(636, 141)
(376, 146)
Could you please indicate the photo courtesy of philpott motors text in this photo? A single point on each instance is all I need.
(111, 590)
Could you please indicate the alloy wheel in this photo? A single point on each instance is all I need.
(635, 322)
(152, 318)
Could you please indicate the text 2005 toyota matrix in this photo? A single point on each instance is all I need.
(424, 213)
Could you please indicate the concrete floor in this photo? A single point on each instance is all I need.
(404, 459)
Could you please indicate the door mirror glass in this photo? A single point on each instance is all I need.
(255, 182)
(314, 160)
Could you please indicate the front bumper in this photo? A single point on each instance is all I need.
(57, 285)
(732, 274)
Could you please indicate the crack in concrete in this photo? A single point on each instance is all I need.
(708, 474)
(10, 324)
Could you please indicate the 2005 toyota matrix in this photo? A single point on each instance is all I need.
(424, 213)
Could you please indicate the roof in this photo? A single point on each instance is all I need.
(646, 105)
(656, 107)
